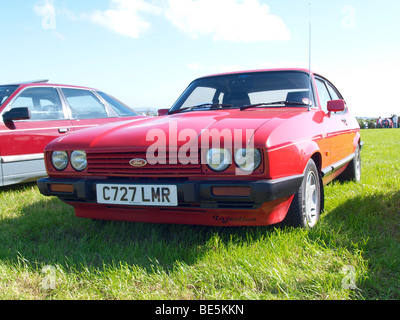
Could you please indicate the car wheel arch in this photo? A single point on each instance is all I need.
(312, 151)
(317, 157)
(357, 141)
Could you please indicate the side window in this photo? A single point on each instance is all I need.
(323, 93)
(84, 104)
(333, 92)
(118, 107)
(44, 103)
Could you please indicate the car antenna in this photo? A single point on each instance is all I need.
(309, 56)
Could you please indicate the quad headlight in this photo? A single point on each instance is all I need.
(248, 159)
(78, 160)
(59, 159)
(218, 159)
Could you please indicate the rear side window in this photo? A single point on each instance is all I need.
(323, 93)
(332, 91)
(84, 104)
(120, 109)
(44, 103)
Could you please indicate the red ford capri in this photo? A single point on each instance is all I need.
(250, 148)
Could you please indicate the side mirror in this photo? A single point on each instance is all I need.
(17, 114)
(336, 106)
(162, 112)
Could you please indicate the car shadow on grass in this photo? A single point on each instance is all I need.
(369, 226)
(46, 232)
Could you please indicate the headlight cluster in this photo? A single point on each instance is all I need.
(218, 159)
(60, 160)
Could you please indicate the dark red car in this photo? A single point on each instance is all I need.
(34, 113)
(240, 149)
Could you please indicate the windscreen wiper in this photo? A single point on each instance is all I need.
(210, 106)
(265, 104)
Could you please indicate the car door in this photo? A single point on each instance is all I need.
(340, 135)
(23, 141)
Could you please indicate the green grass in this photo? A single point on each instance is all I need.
(359, 231)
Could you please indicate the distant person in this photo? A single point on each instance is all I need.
(395, 119)
(379, 123)
(385, 123)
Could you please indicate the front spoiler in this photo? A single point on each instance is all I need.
(190, 193)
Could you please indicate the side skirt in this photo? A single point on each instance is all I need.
(336, 166)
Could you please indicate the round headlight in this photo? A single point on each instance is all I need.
(218, 159)
(59, 159)
(78, 160)
(248, 159)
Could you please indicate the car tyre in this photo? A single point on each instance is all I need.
(307, 203)
(353, 170)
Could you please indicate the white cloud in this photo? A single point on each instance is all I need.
(224, 20)
(229, 20)
(125, 17)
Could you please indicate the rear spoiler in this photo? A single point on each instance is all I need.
(26, 82)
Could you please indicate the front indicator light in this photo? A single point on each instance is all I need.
(64, 188)
(59, 159)
(78, 160)
(248, 159)
(231, 191)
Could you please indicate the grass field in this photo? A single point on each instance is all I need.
(353, 253)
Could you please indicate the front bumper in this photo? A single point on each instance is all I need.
(199, 194)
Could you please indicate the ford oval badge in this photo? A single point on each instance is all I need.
(138, 163)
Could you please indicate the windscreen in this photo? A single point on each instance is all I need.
(6, 92)
(238, 90)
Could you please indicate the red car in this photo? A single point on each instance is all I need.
(35, 113)
(239, 149)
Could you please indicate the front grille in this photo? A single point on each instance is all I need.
(118, 164)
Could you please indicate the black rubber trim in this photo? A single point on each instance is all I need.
(189, 192)
(336, 166)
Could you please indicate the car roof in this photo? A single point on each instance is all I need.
(258, 70)
(44, 83)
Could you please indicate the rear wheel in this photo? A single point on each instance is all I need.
(306, 205)
(353, 170)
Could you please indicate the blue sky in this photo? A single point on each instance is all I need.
(145, 52)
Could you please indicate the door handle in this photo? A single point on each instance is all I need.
(63, 130)
(344, 121)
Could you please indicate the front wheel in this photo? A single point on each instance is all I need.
(306, 205)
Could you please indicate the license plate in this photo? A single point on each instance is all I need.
(137, 195)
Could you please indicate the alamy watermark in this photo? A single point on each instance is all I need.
(183, 146)
(349, 279)
(349, 19)
(49, 280)
(48, 13)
